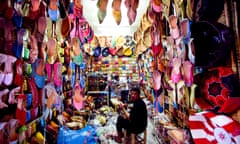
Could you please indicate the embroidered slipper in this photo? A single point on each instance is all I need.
(116, 11)
(102, 10)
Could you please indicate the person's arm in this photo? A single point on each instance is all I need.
(124, 111)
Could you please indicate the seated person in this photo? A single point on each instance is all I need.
(136, 120)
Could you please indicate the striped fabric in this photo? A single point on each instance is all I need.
(207, 127)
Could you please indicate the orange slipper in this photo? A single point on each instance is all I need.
(117, 14)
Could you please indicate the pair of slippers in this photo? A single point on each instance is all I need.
(116, 10)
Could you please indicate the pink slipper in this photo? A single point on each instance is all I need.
(9, 70)
(188, 73)
(78, 97)
(58, 74)
(2, 93)
(176, 73)
(49, 72)
(174, 30)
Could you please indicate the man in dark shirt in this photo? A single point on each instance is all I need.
(136, 120)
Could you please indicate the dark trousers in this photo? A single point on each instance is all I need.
(122, 123)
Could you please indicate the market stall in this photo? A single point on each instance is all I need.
(67, 66)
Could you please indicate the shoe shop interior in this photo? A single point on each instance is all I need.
(119, 72)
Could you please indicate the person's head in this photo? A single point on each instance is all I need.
(116, 77)
(134, 94)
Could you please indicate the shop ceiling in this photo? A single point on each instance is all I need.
(109, 27)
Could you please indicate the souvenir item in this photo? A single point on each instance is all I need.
(116, 11)
(207, 127)
(102, 10)
(216, 86)
(78, 97)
